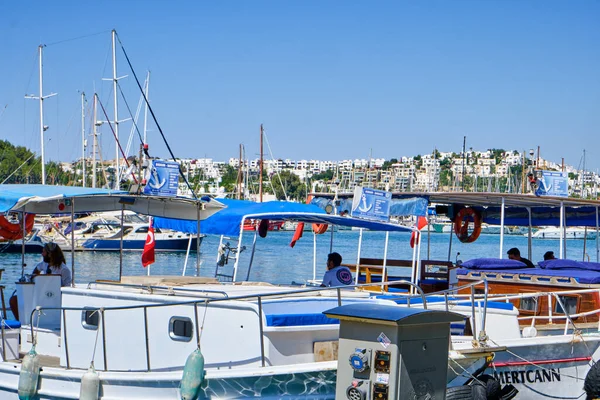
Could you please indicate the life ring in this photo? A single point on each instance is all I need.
(461, 224)
(11, 231)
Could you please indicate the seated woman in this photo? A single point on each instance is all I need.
(53, 262)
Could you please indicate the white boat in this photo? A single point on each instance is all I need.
(574, 232)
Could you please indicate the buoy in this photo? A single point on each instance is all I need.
(90, 384)
(193, 374)
(29, 376)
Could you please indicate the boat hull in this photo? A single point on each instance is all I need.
(178, 244)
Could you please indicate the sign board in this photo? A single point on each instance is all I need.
(553, 183)
(163, 178)
(371, 204)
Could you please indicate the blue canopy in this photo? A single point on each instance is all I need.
(229, 220)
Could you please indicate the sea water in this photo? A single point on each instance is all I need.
(276, 262)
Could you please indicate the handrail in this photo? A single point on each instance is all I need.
(151, 288)
(206, 301)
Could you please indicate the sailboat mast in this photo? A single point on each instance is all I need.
(95, 138)
(146, 108)
(260, 167)
(83, 138)
(240, 174)
(116, 108)
(42, 116)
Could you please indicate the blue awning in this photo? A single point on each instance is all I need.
(228, 221)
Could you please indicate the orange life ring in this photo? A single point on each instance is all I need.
(319, 228)
(12, 231)
(461, 224)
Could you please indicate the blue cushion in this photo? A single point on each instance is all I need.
(11, 324)
(299, 319)
(493, 263)
(568, 264)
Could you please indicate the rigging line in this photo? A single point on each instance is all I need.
(15, 171)
(117, 140)
(154, 117)
(130, 114)
(77, 38)
(276, 171)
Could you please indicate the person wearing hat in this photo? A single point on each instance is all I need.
(549, 255)
(515, 254)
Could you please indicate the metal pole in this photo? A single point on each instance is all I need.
(502, 229)
(360, 237)
(239, 248)
(561, 226)
(260, 167)
(252, 254)
(529, 244)
(95, 130)
(187, 254)
(83, 138)
(450, 244)
(42, 116)
(385, 251)
(197, 239)
(314, 256)
(262, 338)
(121, 243)
(116, 108)
(72, 242)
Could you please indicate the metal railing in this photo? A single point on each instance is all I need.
(259, 298)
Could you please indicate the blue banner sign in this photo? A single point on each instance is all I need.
(371, 204)
(163, 179)
(553, 183)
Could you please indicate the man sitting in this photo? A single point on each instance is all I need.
(336, 274)
(515, 254)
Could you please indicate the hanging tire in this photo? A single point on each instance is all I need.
(459, 393)
(478, 391)
(492, 386)
(591, 384)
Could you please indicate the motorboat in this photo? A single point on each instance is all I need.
(575, 232)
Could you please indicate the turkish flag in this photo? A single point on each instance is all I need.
(421, 223)
(148, 253)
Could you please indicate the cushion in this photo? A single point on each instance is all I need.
(493, 263)
(569, 264)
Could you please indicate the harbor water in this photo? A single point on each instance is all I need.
(276, 262)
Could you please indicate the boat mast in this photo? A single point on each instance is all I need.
(260, 167)
(116, 108)
(41, 98)
(83, 137)
(240, 176)
(94, 140)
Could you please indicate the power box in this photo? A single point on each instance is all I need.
(392, 352)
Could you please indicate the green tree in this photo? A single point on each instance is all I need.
(388, 164)
(294, 187)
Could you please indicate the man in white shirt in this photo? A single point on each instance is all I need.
(336, 274)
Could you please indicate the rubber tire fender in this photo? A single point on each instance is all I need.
(464, 392)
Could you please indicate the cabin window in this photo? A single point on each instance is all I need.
(528, 304)
(143, 229)
(570, 303)
(181, 329)
(90, 319)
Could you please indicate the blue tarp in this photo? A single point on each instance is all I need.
(398, 207)
(540, 216)
(228, 221)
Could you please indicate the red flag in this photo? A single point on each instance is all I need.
(148, 253)
(421, 223)
(297, 234)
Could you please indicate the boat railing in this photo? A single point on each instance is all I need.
(259, 298)
(153, 288)
(478, 301)
(551, 316)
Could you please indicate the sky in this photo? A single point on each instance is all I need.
(329, 80)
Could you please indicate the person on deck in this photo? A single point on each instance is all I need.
(53, 262)
(515, 254)
(336, 274)
(549, 255)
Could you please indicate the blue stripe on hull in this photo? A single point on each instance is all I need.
(138, 245)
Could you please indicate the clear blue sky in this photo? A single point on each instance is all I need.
(329, 79)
